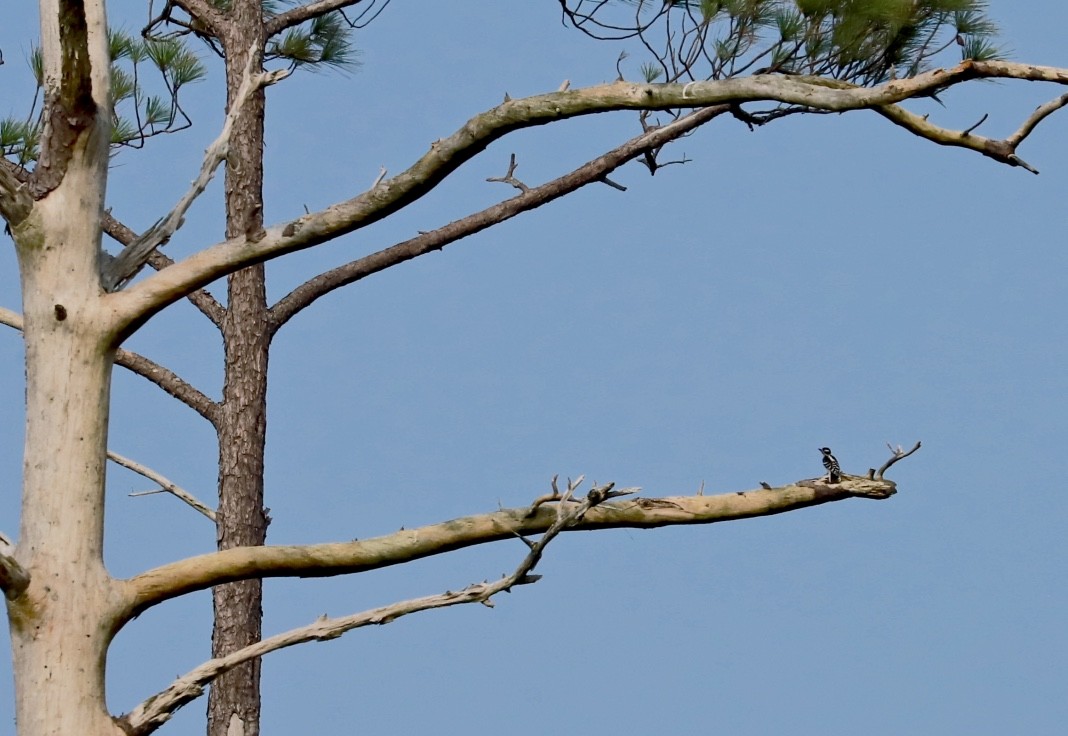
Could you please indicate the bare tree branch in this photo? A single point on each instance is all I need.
(159, 708)
(446, 155)
(208, 305)
(167, 380)
(321, 560)
(201, 299)
(299, 14)
(509, 176)
(126, 265)
(166, 485)
(1041, 113)
(896, 454)
(10, 319)
(590, 172)
(1003, 151)
(204, 13)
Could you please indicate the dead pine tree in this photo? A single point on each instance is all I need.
(82, 297)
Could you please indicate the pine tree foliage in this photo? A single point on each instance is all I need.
(322, 43)
(146, 76)
(148, 72)
(862, 42)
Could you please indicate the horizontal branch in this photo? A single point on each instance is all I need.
(446, 155)
(301, 13)
(158, 709)
(319, 560)
(532, 197)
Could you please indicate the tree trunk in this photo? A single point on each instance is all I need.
(234, 701)
(63, 622)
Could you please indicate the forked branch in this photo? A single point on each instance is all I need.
(532, 197)
(156, 710)
(896, 453)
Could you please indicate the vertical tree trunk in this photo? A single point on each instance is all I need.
(234, 701)
(62, 623)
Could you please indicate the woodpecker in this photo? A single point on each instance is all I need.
(834, 471)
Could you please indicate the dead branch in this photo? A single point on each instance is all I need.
(970, 128)
(166, 379)
(157, 709)
(555, 494)
(509, 177)
(1002, 151)
(896, 454)
(10, 319)
(1041, 113)
(127, 264)
(166, 486)
(449, 153)
(208, 305)
(201, 299)
(592, 171)
(320, 560)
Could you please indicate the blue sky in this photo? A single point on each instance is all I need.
(822, 281)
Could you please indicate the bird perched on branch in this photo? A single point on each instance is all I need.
(830, 462)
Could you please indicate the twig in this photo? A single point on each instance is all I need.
(164, 484)
(127, 264)
(555, 495)
(968, 131)
(318, 286)
(509, 177)
(896, 454)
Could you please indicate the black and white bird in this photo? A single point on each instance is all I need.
(830, 462)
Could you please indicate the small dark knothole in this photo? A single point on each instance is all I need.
(61, 312)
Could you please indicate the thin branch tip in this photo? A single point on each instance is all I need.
(896, 454)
